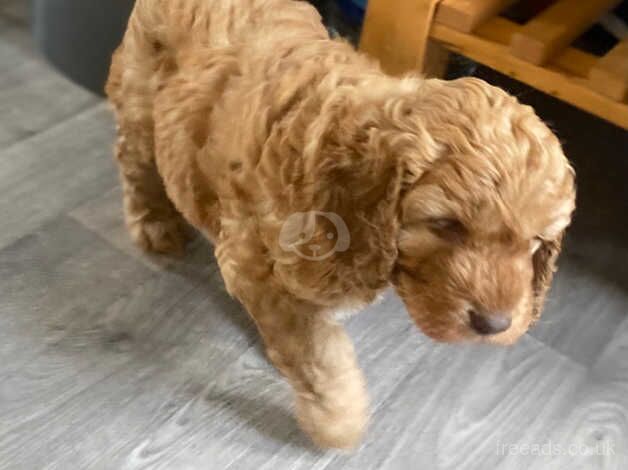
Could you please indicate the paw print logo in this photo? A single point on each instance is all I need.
(314, 235)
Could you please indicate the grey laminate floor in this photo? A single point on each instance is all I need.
(113, 360)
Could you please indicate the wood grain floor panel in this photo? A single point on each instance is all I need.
(103, 216)
(54, 171)
(591, 432)
(33, 96)
(585, 307)
(80, 365)
(458, 407)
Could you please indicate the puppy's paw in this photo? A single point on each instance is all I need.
(333, 426)
(166, 236)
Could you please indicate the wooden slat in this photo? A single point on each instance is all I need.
(575, 62)
(548, 33)
(466, 15)
(610, 74)
(549, 80)
(571, 60)
(396, 32)
(499, 30)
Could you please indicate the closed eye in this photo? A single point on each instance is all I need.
(447, 228)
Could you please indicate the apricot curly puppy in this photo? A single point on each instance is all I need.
(321, 181)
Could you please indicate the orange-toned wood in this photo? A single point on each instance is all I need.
(551, 80)
(396, 32)
(435, 60)
(466, 15)
(571, 60)
(610, 74)
(543, 37)
(399, 40)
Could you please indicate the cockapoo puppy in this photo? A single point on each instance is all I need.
(321, 181)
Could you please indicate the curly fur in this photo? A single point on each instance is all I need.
(236, 114)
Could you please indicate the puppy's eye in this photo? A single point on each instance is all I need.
(535, 244)
(447, 228)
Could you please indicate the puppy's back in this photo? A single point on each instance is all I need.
(160, 33)
(220, 23)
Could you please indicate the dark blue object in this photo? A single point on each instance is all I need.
(353, 10)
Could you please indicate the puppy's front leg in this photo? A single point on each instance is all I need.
(315, 354)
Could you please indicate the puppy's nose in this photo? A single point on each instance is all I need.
(489, 323)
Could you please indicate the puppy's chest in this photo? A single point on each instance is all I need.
(352, 308)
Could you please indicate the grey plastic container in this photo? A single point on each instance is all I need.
(79, 36)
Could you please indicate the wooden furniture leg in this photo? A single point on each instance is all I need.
(396, 32)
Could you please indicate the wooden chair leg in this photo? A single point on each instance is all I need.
(396, 32)
(435, 60)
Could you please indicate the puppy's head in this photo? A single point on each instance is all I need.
(482, 217)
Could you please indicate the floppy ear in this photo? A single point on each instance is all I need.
(544, 263)
(352, 180)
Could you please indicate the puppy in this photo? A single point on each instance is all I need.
(321, 181)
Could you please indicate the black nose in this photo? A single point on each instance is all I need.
(488, 323)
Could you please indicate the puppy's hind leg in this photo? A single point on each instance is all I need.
(151, 218)
(137, 67)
